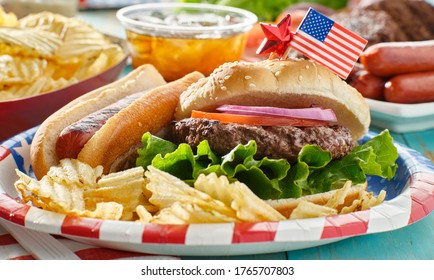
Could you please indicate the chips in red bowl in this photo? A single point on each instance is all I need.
(21, 114)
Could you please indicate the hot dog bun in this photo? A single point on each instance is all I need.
(292, 83)
(43, 148)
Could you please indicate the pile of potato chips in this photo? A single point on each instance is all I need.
(338, 203)
(78, 189)
(44, 52)
(154, 196)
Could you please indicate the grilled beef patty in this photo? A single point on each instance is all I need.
(272, 142)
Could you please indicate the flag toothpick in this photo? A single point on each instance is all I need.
(319, 38)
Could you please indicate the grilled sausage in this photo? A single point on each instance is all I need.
(72, 138)
(370, 86)
(394, 58)
(410, 88)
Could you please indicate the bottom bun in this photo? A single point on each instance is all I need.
(287, 205)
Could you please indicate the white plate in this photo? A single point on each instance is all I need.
(410, 197)
(401, 117)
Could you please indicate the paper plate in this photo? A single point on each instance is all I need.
(21, 114)
(410, 197)
(401, 117)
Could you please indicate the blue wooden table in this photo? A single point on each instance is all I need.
(415, 241)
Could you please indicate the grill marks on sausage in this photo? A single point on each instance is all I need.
(73, 138)
(272, 142)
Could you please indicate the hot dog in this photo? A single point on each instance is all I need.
(393, 58)
(410, 88)
(370, 86)
(73, 137)
(109, 145)
(122, 133)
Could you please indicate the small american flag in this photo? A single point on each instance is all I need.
(328, 43)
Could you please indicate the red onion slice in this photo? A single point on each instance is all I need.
(314, 113)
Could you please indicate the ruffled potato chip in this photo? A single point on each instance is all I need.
(72, 171)
(248, 206)
(17, 70)
(124, 188)
(212, 200)
(103, 210)
(27, 42)
(76, 188)
(167, 190)
(190, 213)
(7, 19)
(338, 203)
(144, 215)
(365, 201)
(306, 209)
(50, 195)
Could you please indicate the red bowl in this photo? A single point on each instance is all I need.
(21, 114)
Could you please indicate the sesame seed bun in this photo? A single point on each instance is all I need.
(292, 83)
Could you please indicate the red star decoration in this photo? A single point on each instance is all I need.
(277, 37)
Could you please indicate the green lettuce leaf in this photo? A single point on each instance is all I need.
(262, 176)
(314, 172)
(376, 157)
(383, 157)
(152, 146)
(206, 161)
(179, 163)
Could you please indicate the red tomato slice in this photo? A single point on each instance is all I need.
(256, 120)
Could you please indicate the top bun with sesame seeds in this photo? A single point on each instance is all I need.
(292, 83)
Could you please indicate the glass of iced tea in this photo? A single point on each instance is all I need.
(178, 38)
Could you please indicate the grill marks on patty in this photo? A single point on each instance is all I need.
(272, 142)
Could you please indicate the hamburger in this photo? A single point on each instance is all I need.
(285, 128)
(277, 84)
